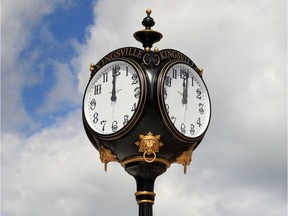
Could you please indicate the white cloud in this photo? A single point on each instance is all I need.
(56, 172)
(63, 92)
(16, 25)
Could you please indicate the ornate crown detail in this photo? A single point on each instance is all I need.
(149, 144)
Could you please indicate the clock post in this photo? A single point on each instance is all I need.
(146, 109)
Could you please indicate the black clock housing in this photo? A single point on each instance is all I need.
(151, 116)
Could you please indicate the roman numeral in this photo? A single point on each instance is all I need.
(105, 77)
(168, 81)
(174, 73)
(97, 89)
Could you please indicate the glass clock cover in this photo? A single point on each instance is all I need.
(184, 99)
(113, 96)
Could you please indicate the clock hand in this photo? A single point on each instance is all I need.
(114, 74)
(181, 93)
(185, 89)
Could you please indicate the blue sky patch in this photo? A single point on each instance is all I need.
(51, 42)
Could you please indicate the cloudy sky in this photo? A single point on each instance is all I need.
(50, 168)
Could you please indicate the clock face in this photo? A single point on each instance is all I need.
(184, 99)
(113, 97)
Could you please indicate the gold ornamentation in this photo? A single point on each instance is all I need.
(185, 159)
(106, 156)
(140, 159)
(148, 59)
(145, 193)
(201, 71)
(145, 201)
(147, 49)
(92, 69)
(149, 144)
(148, 11)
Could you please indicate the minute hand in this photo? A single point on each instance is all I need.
(185, 89)
(114, 97)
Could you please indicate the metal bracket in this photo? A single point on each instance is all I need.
(185, 159)
(106, 156)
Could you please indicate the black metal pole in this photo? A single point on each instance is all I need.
(145, 209)
(145, 195)
(145, 175)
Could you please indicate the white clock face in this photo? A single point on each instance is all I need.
(185, 99)
(112, 97)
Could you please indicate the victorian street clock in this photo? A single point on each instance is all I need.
(146, 109)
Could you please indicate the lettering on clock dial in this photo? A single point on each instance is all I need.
(137, 92)
(199, 122)
(92, 104)
(105, 77)
(192, 129)
(103, 123)
(126, 119)
(199, 92)
(201, 109)
(97, 89)
(183, 128)
(174, 73)
(134, 79)
(168, 81)
(114, 126)
(183, 73)
(95, 118)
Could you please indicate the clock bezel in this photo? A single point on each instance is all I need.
(162, 108)
(141, 102)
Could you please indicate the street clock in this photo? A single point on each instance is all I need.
(146, 109)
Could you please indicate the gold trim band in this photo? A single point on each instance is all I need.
(145, 193)
(141, 159)
(145, 201)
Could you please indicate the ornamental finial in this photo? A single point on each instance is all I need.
(148, 21)
(148, 11)
(148, 36)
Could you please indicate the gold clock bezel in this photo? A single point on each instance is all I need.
(136, 115)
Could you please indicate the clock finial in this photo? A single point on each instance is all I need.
(148, 21)
(148, 36)
(148, 11)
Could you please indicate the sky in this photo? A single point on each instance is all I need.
(48, 165)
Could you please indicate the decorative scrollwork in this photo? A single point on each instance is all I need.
(151, 57)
